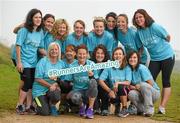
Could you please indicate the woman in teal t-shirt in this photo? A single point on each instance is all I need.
(79, 36)
(84, 84)
(144, 90)
(129, 38)
(111, 27)
(48, 22)
(100, 36)
(100, 55)
(115, 81)
(60, 32)
(28, 42)
(156, 39)
(46, 91)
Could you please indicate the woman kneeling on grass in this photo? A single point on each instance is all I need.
(84, 85)
(144, 91)
(46, 91)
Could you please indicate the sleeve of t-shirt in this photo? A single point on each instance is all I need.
(138, 41)
(42, 44)
(95, 74)
(39, 73)
(128, 74)
(110, 43)
(21, 36)
(104, 75)
(66, 42)
(159, 30)
(89, 42)
(145, 73)
(85, 39)
(69, 76)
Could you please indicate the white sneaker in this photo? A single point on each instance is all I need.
(149, 112)
(162, 110)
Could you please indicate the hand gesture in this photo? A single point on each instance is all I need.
(90, 73)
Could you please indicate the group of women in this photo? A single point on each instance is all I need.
(43, 44)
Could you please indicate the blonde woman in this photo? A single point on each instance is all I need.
(60, 32)
(46, 91)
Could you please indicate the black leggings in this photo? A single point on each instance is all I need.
(166, 66)
(105, 99)
(43, 102)
(28, 78)
(65, 86)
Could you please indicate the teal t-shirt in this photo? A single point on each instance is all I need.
(131, 41)
(112, 75)
(42, 68)
(67, 65)
(61, 44)
(112, 32)
(142, 74)
(106, 39)
(29, 43)
(48, 38)
(154, 39)
(81, 80)
(71, 39)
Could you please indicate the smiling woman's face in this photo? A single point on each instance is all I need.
(37, 18)
(62, 28)
(78, 29)
(118, 55)
(111, 23)
(54, 52)
(100, 55)
(122, 24)
(99, 28)
(82, 55)
(140, 20)
(48, 23)
(133, 60)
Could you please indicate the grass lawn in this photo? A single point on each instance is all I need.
(9, 81)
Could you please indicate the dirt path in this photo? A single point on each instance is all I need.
(14, 118)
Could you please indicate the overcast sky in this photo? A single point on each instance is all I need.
(164, 12)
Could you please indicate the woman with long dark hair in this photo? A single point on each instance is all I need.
(28, 42)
